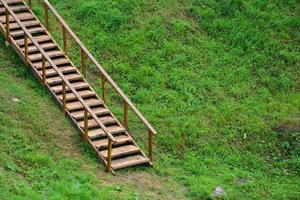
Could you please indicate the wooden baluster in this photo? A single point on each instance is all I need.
(46, 16)
(44, 70)
(109, 150)
(26, 48)
(150, 145)
(126, 115)
(29, 2)
(83, 63)
(64, 97)
(65, 39)
(104, 91)
(7, 25)
(86, 125)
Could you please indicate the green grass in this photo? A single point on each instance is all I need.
(218, 79)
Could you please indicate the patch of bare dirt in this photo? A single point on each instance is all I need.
(289, 126)
(149, 185)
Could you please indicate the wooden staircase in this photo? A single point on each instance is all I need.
(112, 142)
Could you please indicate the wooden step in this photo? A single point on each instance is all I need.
(120, 151)
(64, 69)
(104, 120)
(83, 94)
(28, 23)
(38, 56)
(95, 133)
(98, 111)
(45, 46)
(21, 17)
(129, 161)
(77, 86)
(18, 33)
(121, 139)
(57, 61)
(41, 38)
(57, 79)
(77, 105)
(12, 1)
(14, 8)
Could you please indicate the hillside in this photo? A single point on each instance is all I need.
(219, 81)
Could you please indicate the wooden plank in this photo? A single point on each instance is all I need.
(121, 139)
(29, 23)
(83, 94)
(77, 105)
(38, 56)
(129, 161)
(45, 46)
(77, 86)
(12, 1)
(98, 111)
(17, 33)
(15, 9)
(64, 69)
(120, 151)
(105, 120)
(41, 38)
(57, 61)
(58, 79)
(100, 133)
(21, 16)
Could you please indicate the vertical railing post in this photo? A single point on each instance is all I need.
(109, 150)
(46, 16)
(126, 115)
(44, 70)
(7, 24)
(150, 145)
(83, 62)
(64, 96)
(29, 2)
(26, 48)
(65, 39)
(86, 125)
(104, 91)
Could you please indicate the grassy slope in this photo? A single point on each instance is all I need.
(42, 155)
(218, 80)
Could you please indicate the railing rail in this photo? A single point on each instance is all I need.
(45, 57)
(100, 68)
(105, 77)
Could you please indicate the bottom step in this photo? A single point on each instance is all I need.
(129, 161)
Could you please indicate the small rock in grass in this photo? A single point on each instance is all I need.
(219, 191)
(15, 100)
(241, 181)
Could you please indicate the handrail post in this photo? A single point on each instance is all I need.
(44, 70)
(104, 91)
(126, 115)
(86, 125)
(150, 145)
(64, 96)
(83, 63)
(7, 24)
(26, 48)
(109, 150)
(46, 16)
(29, 2)
(65, 39)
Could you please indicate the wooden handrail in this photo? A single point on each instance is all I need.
(100, 68)
(66, 81)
